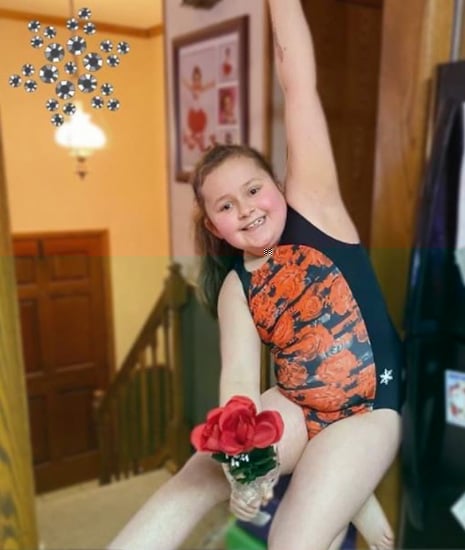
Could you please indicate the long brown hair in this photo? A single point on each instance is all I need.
(217, 256)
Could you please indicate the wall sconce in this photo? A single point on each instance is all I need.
(206, 4)
(82, 137)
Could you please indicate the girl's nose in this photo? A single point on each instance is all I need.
(245, 210)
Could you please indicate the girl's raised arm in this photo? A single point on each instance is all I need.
(311, 170)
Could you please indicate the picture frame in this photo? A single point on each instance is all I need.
(210, 85)
(369, 3)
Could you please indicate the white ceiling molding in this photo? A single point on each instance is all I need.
(138, 14)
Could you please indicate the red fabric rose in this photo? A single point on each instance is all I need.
(206, 437)
(237, 428)
(268, 429)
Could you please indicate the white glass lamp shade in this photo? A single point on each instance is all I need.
(80, 135)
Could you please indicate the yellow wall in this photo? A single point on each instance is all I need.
(126, 189)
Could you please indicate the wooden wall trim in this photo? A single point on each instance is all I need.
(416, 37)
(156, 30)
(17, 507)
(150, 32)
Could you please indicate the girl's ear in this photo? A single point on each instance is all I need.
(211, 227)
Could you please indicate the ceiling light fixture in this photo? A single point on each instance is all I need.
(71, 70)
(82, 137)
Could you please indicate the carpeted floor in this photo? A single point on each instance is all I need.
(87, 517)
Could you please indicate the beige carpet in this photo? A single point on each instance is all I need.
(87, 517)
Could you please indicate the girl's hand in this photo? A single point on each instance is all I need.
(247, 508)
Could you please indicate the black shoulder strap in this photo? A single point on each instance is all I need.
(243, 274)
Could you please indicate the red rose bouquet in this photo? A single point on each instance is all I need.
(243, 441)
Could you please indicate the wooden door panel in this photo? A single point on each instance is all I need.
(71, 320)
(70, 412)
(40, 435)
(64, 323)
(74, 275)
(75, 423)
(68, 267)
(30, 332)
(26, 270)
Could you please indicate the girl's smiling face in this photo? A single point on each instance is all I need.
(244, 205)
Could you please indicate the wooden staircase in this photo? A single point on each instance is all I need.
(140, 418)
(145, 417)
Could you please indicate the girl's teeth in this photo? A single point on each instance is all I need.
(257, 222)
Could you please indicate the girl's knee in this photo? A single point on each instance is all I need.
(197, 468)
(313, 535)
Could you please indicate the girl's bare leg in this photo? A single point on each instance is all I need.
(173, 511)
(337, 542)
(334, 478)
(373, 525)
(370, 520)
(167, 518)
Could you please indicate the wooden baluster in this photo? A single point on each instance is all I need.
(163, 377)
(114, 439)
(123, 431)
(168, 389)
(178, 431)
(134, 420)
(103, 437)
(143, 405)
(155, 398)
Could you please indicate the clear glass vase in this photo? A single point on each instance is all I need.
(259, 489)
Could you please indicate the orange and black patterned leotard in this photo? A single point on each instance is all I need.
(317, 304)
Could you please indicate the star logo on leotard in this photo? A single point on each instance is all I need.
(386, 377)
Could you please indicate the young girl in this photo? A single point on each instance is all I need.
(197, 118)
(285, 266)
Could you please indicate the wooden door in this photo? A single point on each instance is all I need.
(62, 301)
(347, 38)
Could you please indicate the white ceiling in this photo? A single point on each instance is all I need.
(141, 14)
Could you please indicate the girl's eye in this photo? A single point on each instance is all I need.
(254, 190)
(226, 206)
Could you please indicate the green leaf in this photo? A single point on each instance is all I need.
(220, 457)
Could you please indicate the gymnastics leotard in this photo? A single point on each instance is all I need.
(318, 306)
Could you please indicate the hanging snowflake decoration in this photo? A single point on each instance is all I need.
(71, 67)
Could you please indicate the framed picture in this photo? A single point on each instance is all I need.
(210, 91)
(455, 397)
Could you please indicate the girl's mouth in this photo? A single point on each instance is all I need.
(255, 223)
